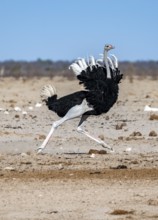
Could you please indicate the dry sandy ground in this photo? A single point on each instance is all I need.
(68, 181)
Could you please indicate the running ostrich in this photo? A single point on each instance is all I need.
(100, 79)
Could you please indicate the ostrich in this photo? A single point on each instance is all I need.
(100, 79)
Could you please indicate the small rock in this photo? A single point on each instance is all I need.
(120, 126)
(93, 151)
(101, 136)
(41, 136)
(92, 155)
(107, 118)
(17, 109)
(152, 134)
(147, 96)
(9, 168)
(52, 212)
(38, 105)
(153, 117)
(26, 162)
(30, 108)
(33, 116)
(134, 162)
(60, 167)
(120, 138)
(128, 149)
(102, 152)
(24, 112)
(24, 154)
(136, 133)
(119, 167)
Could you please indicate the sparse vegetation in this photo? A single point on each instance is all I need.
(51, 68)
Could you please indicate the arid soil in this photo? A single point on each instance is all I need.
(75, 178)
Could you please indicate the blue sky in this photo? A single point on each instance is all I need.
(67, 29)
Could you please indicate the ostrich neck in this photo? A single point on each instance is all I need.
(106, 64)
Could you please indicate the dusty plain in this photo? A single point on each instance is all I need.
(73, 178)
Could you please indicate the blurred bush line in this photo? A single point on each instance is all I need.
(40, 68)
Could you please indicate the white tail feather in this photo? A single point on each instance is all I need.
(115, 60)
(47, 91)
(92, 61)
(79, 62)
(99, 62)
(75, 68)
(84, 63)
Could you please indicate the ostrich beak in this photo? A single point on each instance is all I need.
(112, 47)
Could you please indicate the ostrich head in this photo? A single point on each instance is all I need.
(108, 47)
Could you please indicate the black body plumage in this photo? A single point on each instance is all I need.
(62, 105)
(100, 92)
